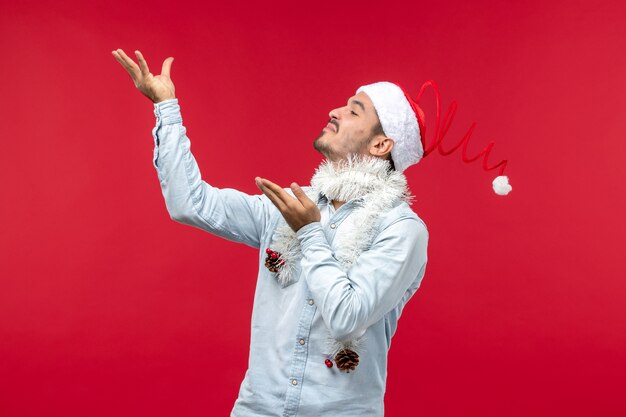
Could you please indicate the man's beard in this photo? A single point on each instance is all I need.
(323, 148)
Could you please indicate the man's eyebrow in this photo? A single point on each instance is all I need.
(358, 103)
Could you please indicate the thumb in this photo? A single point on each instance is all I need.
(167, 66)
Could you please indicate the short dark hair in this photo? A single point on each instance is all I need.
(393, 166)
(378, 129)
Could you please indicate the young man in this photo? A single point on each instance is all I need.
(338, 260)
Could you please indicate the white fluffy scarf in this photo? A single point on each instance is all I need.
(358, 177)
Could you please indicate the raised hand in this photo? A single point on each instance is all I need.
(156, 87)
(298, 211)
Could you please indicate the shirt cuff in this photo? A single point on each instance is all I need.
(311, 234)
(168, 112)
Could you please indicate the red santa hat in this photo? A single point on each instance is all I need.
(403, 121)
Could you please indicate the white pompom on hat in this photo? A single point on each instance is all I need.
(403, 121)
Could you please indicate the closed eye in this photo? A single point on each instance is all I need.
(353, 112)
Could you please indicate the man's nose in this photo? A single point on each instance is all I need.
(335, 113)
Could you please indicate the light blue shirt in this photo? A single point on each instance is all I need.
(286, 373)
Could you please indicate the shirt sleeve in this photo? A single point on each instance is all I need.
(226, 212)
(350, 302)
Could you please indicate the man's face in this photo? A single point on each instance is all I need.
(349, 129)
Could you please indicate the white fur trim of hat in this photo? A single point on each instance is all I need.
(398, 121)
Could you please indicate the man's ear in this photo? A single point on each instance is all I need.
(380, 145)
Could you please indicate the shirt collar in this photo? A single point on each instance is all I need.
(322, 199)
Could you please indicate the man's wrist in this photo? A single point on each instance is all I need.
(163, 99)
(304, 229)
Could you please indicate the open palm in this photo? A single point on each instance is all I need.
(156, 87)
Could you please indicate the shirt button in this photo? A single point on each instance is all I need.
(333, 226)
(311, 302)
(301, 341)
(294, 382)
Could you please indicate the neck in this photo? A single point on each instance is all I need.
(337, 204)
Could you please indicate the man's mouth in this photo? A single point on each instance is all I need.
(332, 126)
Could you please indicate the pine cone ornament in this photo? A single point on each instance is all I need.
(346, 360)
(273, 261)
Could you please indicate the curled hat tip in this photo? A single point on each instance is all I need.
(501, 185)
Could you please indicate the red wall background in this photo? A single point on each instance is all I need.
(108, 307)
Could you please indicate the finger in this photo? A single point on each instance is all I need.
(277, 201)
(266, 186)
(279, 192)
(119, 59)
(167, 66)
(301, 195)
(128, 63)
(143, 65)
(126, 59)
